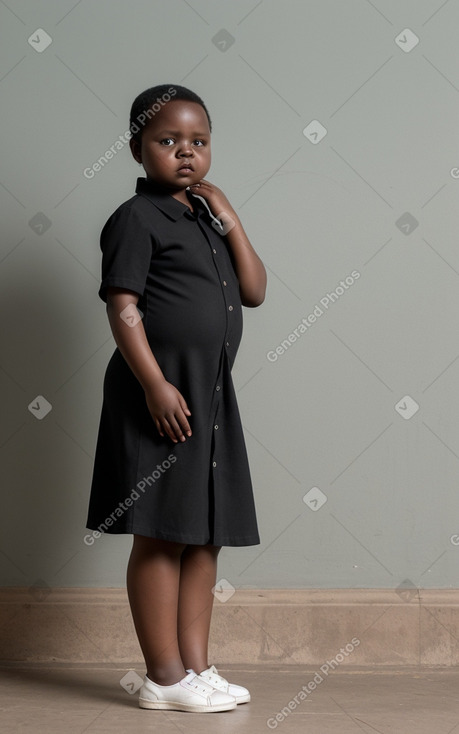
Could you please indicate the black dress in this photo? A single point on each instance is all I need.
(198, 491)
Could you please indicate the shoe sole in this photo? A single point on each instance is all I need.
(243, 699)
(189, 707)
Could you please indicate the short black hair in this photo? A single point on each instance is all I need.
(150, 101)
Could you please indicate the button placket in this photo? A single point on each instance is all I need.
(220, 267)
(215, 430)
(229, 306)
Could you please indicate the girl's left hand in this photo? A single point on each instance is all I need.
(214, 196)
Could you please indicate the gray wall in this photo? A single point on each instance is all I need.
(353, 488)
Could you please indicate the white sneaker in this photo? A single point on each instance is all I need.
(191, 694)
(211, 676)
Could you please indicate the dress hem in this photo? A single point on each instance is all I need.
(190, 539)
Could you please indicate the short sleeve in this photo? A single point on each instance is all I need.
(127, 246)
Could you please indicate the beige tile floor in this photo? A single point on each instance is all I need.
(72, 699)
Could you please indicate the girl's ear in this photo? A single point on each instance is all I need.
(136, 150)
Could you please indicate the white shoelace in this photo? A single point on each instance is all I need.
(213, 675)
(198, 683)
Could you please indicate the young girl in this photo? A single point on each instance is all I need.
(171, 465)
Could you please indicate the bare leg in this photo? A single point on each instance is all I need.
(153, 576)
(197, 577)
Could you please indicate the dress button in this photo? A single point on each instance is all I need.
(214, 464)
(227, 344)
(218, 387)
(230, 308)
(224, 282)
(214, 251)
(216, 427)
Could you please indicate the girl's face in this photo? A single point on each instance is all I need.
(175, 137)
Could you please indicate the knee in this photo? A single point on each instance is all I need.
(205, 551)
(153, 546)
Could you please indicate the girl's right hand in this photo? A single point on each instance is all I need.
(169, 410)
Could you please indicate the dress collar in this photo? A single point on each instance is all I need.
(164, 201)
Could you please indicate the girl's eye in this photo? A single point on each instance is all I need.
(170, 141)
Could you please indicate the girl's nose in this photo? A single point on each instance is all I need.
(186, 150)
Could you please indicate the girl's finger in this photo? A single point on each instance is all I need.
(182, 417)
(169, 430)
(176, 428)
(184, 406)
(185, 426)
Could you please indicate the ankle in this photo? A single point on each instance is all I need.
(164, 680)
(166, 676)
(198, 668)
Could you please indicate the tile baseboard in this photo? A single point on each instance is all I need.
(326, 628)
